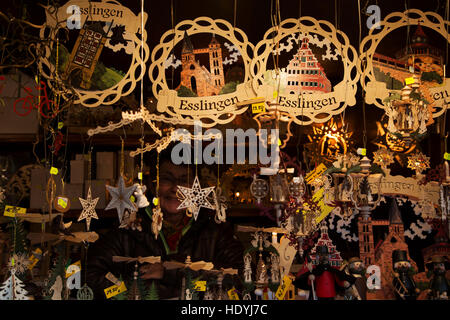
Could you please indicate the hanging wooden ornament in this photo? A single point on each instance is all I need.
(420, 58)
(121, 198)
(88, 212)
(202, 93)
(62, 203)
(97, 32)
(300, 87)
(418, 162)
(259, 188)
(195, 198)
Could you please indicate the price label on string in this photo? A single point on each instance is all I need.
(115, 290)
(409, 80)
(232, 294)
(446, 156)
(258, 107)
(10, 211)
(54, 171)
(60, 125)
(73, 268)
(283, 288)
(200, 285)
(140, 175)
(34, 258)
(361, 151)
(312, 175)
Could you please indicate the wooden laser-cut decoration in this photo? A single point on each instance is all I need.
(311, 100)
(209, 106)
(119, 30)
(88, 212)
(376, 91)
(418, 162)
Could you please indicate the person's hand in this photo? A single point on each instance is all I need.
(152, 271)
(311, 277)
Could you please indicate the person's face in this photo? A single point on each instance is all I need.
(171, 176)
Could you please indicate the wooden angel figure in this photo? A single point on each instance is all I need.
(392, 114)
(247, 268)
(261, 271)
(188, 295)
(275, 267)
(141, 199)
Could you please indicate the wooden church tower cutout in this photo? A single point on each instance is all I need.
(86, 52)
(198, 78)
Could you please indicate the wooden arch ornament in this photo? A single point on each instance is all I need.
(104, 26)
(376, 91)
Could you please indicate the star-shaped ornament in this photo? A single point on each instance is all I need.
(121, 198)
(88, 208)
(195, 198)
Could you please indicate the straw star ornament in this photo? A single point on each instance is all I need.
(88, 208)
(121, 198)
(195, 198)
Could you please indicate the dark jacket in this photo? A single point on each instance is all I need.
(204, 240)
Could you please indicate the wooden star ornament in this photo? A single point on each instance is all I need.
(121, 198)
(88, 209)
(195, 198)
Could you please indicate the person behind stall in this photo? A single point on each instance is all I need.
(181, 236)
(323, 280)
(439, 283)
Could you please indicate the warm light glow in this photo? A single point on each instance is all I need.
(237, 194)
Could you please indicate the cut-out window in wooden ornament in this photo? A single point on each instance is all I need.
(195, 73)
(299, 84)
(419, 57)
(85, 69)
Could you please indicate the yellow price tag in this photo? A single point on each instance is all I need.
(312, 175)
(200, 286)
(155, 201)
(409, 80)
(258, 107)
(10, 211)
(115, 290)
(33, 259)
(133, 199)
(447, 156)
(60, 125)
(78, 264)
(232, 294)
(140, 175)
(283, 288)
(275, 94)
(54, 171)
(62, 202)
(324, 209)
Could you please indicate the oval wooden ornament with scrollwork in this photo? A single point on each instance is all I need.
(84, 71)
(433, 84)
(205, 91)
(301, 87)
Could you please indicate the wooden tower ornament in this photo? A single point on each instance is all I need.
(303, 90)
(207, 104)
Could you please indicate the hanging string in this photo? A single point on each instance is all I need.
(157, 177)
(122, 157)
(142, 95)
(235, 10)
(364, 98)
(173, 40)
